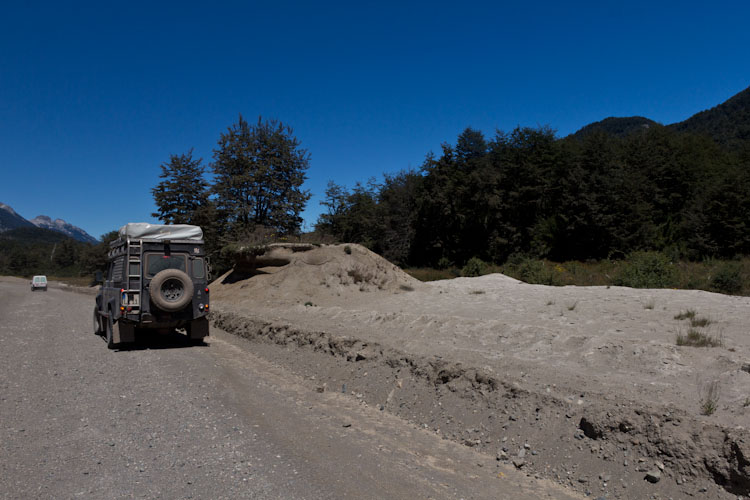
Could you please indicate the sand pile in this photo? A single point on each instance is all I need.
(308, 274)
(593, 378)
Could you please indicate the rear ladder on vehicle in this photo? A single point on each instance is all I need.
(133, 282)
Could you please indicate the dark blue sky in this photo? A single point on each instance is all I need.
(95, 96)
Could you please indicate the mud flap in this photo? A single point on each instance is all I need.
(198, 328)
(124, 332)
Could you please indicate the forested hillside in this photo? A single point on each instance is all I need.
(618, 127)
(31, 250)
(728, 123)
(526, 192)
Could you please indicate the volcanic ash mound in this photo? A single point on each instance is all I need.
(302, 273)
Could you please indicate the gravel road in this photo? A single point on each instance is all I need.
(169, 420)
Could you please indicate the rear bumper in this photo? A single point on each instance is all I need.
(160, 321)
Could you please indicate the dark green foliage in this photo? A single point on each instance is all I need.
(617, 127)
(378, 216)
(28, 251)
(727, 278)
(474, 267)
(728, 123)
(183, 193)
(647, 270)
(597, 196)
(258, 175)
(535, 271)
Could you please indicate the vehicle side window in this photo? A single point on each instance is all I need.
(199, 268)
(158, 262)
(117, 268)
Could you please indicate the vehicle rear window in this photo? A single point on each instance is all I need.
(199, 268)
(160, 262)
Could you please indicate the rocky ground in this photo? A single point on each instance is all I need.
(583, 385)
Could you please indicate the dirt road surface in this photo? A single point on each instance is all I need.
(168, 420)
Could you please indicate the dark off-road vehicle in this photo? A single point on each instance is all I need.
(157, 280)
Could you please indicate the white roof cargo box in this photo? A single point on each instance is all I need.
(146, 231)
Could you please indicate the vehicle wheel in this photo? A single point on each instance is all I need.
(197, 329)
(171, 290)
(110, 332)
(97, 322)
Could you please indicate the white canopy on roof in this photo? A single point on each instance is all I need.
(144, 230)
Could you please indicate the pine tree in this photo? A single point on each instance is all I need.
(183, 193)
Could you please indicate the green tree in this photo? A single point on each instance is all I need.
(183, 192)
(65, 253)
(397, 208)
(258, 175)
(335, 202)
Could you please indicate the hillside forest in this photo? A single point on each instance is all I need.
(619, 190)
(529, 193)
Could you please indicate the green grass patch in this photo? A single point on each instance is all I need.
(700, 322)
(689, 314)
(694, 337)
(651, 271)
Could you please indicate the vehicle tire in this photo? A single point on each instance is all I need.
(110, 332)
(197, 329)
(97, 322)
(171, 290)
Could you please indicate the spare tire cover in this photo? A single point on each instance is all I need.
(171, 290)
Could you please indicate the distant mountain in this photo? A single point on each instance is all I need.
(63, 227)
(10, 220)
(728, 123)
(33, 235)
(619, 127)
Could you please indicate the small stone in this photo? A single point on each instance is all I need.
(501, 455)
(518, 462)
(653, 476)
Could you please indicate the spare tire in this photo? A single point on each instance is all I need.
(171, 290)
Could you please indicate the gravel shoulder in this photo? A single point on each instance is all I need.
(585, 386)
